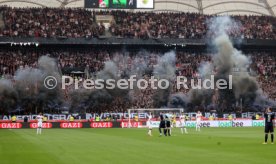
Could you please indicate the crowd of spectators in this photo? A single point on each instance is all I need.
(265, 65)
(76, 23)
(49, 22)
(91, 61)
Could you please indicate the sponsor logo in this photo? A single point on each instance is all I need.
(225, 124)
(132, 124)
(71, 125)
(10, 125)
(205, 124)
(258, 123)
(202, 124)
(44, 125)
(101, 125)
(237, 124)
(231, 124)
(191, 124)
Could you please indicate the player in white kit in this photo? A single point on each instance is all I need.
(149, 125)
(182, 118)
(39, 119)
(198, 120)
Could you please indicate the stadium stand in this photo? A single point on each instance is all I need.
(91, 61)
(37, 19)
(75, 23)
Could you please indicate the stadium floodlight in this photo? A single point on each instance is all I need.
(153, 111)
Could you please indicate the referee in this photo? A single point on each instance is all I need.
(162, 124)
(269, 128)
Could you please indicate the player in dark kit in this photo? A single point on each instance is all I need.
(162, 124)
(168, 127)
(269, 127)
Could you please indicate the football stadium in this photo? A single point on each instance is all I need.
(137, 81)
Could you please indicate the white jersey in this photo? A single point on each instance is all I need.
(39, 118)
(198, 117)
(150, 117)
(182, 118)
(149, 122)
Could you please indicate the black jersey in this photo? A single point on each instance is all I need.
(162, 121)
(161, 117)
(168, 123)
(269, 117)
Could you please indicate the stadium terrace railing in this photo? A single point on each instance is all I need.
(126, 41)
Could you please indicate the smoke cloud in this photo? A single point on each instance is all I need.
(226, 61)
(165, 69)
(28, 90)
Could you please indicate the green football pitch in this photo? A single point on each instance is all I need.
(131, 146)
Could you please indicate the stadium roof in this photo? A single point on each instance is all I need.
(231, 7)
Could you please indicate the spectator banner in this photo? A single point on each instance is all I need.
(45, 125)
(117, 115)
(101, 125)
(10, 125)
